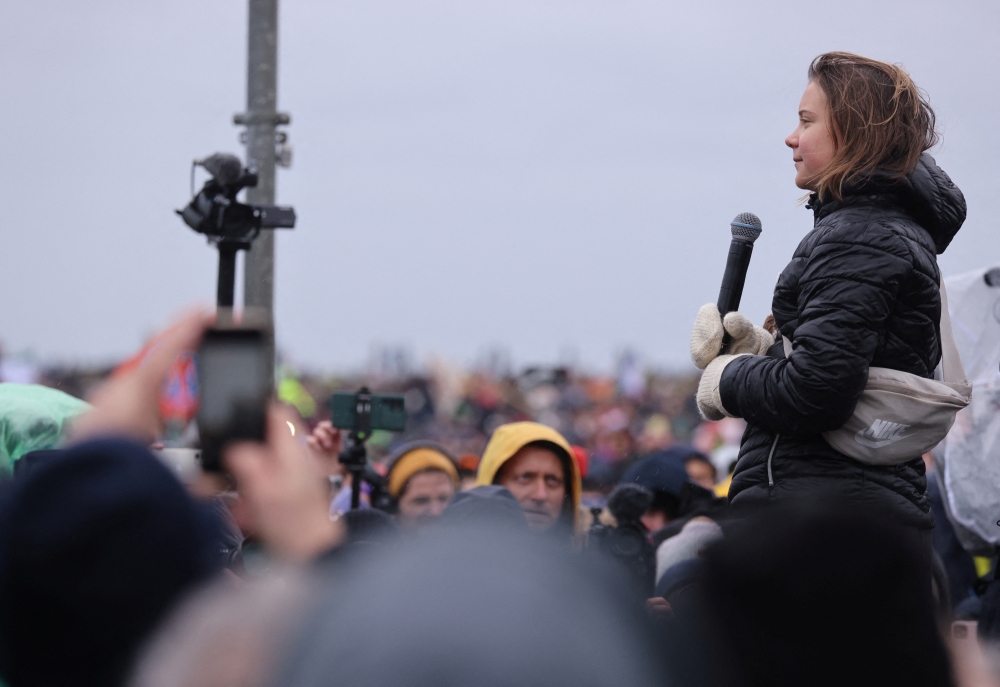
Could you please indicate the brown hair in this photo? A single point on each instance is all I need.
(879, 119)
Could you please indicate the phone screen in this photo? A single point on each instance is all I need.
(235, 380)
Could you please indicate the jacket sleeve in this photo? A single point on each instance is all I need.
(847, 292)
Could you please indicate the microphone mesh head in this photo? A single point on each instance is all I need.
(746, 226)
(224, 167)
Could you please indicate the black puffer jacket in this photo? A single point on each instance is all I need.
(861, 289)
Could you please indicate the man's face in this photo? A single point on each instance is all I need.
(535, 477)
(424, 499)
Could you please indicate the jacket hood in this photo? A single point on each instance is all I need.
(510, 438)
(927, 194)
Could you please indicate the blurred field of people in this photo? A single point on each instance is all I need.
(614, 418)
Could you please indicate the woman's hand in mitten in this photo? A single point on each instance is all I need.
(746, 336)
(706, 336)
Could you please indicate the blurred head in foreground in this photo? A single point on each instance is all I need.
(486, 607)
(818, 596)
(491, 506)
(227, 635)
(97, 544)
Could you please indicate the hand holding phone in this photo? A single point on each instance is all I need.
(129, 404)
(325, 444)
(283, 491)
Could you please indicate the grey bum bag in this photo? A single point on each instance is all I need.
(901, 416)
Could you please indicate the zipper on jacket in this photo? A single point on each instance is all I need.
(770, 474)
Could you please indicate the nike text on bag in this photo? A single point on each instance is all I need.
(901, 416)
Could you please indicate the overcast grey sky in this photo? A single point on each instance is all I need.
(545, 175)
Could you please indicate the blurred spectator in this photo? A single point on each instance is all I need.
(367, 528)
(494, 608)
(460, 410)
(17, 369)
(228, 635)
(582, 459)
(663, 474)
(816, 596)
(33, 418)
(490, 505)
(656, 434)
(468, 464)
(694, 538)
(98, 543)
(535, 463)
(422, 479)
(700, 469)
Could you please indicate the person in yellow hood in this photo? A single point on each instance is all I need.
(535, 463)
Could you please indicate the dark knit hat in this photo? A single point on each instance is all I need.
(490, 504)
(96, 545)
(662, 471)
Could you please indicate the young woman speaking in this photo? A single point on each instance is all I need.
(861, 290)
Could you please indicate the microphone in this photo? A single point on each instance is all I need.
(225, 168)
(746, 229)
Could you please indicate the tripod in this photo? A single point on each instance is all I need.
(355, 456)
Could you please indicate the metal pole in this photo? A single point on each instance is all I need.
(227, 277)
(226, 285)
(261, 117)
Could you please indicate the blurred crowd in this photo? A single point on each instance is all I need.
(615, 417)
(548, 527)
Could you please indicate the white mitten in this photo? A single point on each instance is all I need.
(706, 336)
(746, 336)
(709, 400)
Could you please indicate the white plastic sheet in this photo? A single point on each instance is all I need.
(971, 452)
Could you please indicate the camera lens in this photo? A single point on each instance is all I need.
(626, 543)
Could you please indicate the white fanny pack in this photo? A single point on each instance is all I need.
(901, 416)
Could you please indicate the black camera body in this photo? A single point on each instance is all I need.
(215, 212)
(231, 226)
(627, 544)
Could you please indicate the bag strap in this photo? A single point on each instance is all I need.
(952, 371)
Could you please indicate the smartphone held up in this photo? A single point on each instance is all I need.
(236, 384)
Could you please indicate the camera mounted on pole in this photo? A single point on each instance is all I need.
(230, 225)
